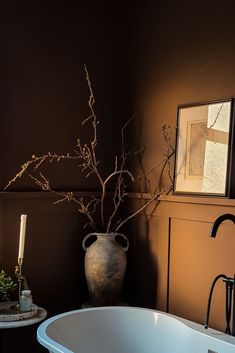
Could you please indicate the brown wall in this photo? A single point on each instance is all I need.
(44, 90)
(195, 259)
(185, 54)
(44, 99)
(173, 256)
(165, 56)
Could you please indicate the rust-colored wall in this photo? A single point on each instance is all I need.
(195, 258)
(185, 54)
(173, 260)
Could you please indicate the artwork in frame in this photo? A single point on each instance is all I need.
(203, 148)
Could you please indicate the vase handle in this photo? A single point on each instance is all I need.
(85, 239)
(125, 238)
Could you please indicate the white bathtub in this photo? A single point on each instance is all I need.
(129, 330)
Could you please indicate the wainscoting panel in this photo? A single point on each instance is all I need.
(195, 259)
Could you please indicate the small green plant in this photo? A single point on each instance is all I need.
(7, 286)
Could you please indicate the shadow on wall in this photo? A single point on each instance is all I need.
(141, 277)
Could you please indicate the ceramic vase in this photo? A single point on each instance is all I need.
(105, 267)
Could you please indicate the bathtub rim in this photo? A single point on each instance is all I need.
(49, 343)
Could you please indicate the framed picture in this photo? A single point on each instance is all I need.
(204, 148)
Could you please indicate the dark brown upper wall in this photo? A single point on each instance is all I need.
(174, 54)
(185, 54)
(44, 90)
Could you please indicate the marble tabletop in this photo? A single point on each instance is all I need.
(39, 316)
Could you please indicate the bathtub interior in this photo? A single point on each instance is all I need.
(110, 331)
(129, 330)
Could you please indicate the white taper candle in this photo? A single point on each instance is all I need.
(22, 236)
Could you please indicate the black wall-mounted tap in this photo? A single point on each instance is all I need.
(229, 288)
(218, 222)
(230, 283)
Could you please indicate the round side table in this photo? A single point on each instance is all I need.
(39, 316)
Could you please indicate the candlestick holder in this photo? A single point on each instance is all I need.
(18, 274)
(21, 279)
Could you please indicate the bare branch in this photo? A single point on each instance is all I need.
(119, 192)
(68, 196)
(85, 155)
(155, 197)
(217, 116)
(169, 151)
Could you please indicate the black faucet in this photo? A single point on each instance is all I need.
(229, 281)
(218, 221)
(228, 308)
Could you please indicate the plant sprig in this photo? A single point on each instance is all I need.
(7, 286)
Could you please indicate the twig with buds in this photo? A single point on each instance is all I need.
(86, 155)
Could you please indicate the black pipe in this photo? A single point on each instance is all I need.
(213, 233)
(210, 297)
(228, 305)
(233, 322)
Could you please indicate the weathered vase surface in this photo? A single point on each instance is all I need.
(105, 267)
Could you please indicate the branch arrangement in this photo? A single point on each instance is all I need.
(86, 156)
